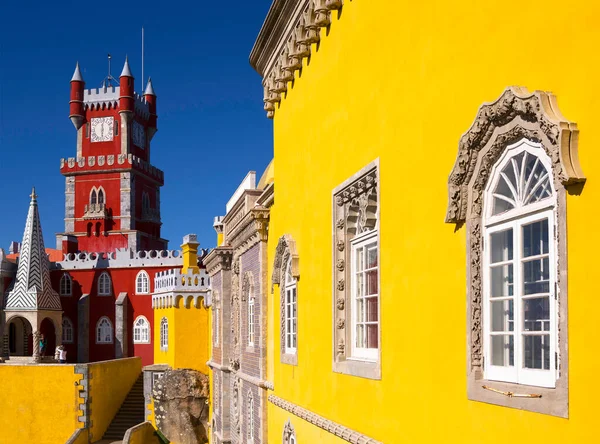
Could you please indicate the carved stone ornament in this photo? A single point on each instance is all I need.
(341, 285)
(341, 245)
(515, 116)
(340, 265)
(341, 348)
(533, 115)
(341, 324)
(340, 303)
(236, 266)
(236, 404)
(288, 432)
(340, 224)
(285, 250)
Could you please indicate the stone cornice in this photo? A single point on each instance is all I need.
(218, 259)
(336, 429)
(285, 40)
(267, 198)
(262, 383)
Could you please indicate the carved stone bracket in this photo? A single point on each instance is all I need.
(285, 245)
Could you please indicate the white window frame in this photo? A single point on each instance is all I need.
(251, 321)
(250, 425)
(515, 219)
(100, 333)
(164, 334)
(141, 279)
(67, 326)
(65, 281)
(143, 338)
(104, 284)
(291, 288)
(361, 241)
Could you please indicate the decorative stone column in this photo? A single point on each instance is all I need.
(36, 346)
(121, 337)
(83, 328)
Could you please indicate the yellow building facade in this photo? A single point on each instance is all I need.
(413, 186)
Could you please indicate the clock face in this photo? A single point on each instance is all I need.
(102, 129)
(139, 135)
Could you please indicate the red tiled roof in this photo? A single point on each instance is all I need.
(54, 255)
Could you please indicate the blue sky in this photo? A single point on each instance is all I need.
(212, 129)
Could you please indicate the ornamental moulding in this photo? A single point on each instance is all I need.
(286, 248)
(515, 115)
(285, 40)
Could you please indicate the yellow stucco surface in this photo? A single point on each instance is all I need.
(402, 81)
(188, 337)
(39, 404)
(109, 384)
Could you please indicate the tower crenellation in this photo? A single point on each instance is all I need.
(112, 189)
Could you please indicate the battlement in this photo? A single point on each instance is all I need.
(107, 97)
(173, 286)
(74, 165)
(122, 258)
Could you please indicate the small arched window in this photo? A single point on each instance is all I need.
(104, 331)
(142, 283)
(164, 334)
(66, 285)
(251, 320)
(141, 331)
(250, 425)
(93, 197)
(67, 331)
(104, 284)
(101, 196)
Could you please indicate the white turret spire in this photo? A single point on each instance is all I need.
(149, 89)
(126, 70)
(77, 77)
(32, 289)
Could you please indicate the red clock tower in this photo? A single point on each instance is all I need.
(112, 195)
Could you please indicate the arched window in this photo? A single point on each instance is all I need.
(66, 285)
(101, 199)
(104, 284)
(290, 311)
(520, 268)
(250, 425)
(93, 197)
(141, 331)
(104, 331)
(164, 334)
(142, 283)
(67, 331)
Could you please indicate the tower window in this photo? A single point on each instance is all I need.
(100, 196)
(104, 332)
(142, 283)
(164, 334)
(94, 197)
(104, 284)
(65, 285)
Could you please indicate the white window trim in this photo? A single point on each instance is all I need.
(515, 219)
(164, 334)
(64, 278)
(251, 321)
(359, 353)
(111, 331)
(146, 327)
(141, 275)
(100, 286)
(70, 327)
(290, 287)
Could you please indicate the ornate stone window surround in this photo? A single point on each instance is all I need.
(249, 301)
(515, 116)
(355, 216)
(216, 308)
(250, 424)
(142, 283)
(289, 434)
(286, 255)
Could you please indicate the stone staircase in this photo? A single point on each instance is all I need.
(130, 414)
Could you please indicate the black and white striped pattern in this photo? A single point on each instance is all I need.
(32, 289)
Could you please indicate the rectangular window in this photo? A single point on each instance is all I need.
(290, 319)
(519, 304)
(216, 327)
(365, 297)
(251, 322)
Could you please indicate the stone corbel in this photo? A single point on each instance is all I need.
(279, 86)
(311, 27)
(284, 74)
(294, 59)
(302, 47)
(335, 4)
(322, 16)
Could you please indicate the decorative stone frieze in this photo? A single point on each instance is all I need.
(283, 44)
(218, 259)
(515, 116)
(95, 211)
(343, 432)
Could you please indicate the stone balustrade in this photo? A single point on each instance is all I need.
(99, 162)
(122, 258)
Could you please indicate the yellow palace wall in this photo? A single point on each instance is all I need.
(402, 81)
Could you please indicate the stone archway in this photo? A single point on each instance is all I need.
(20, 338)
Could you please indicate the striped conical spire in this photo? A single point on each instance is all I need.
(32, 289)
